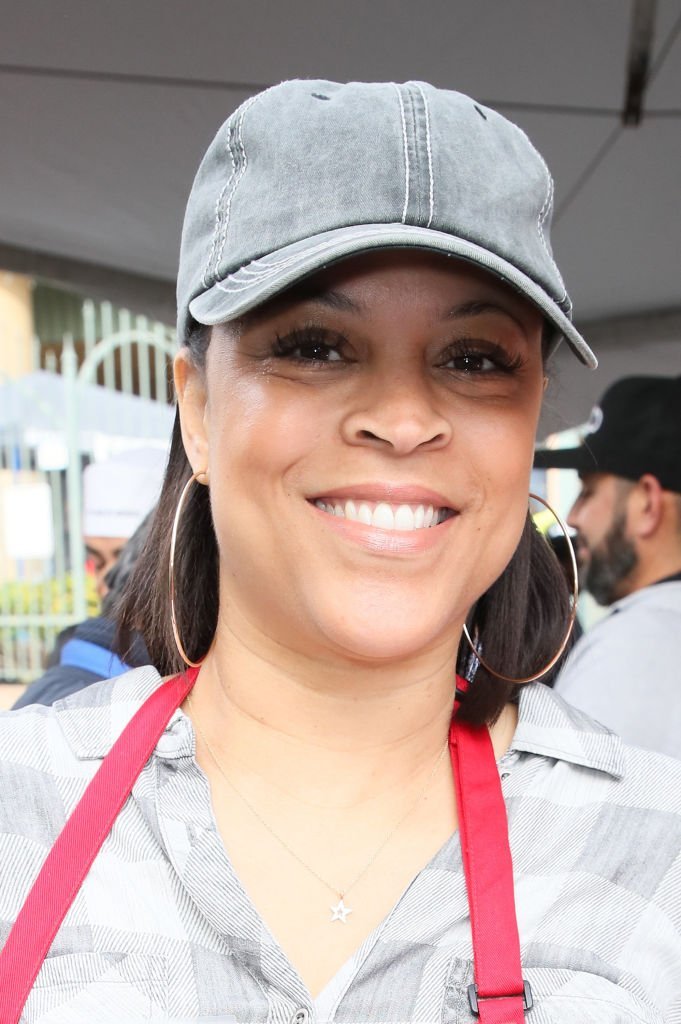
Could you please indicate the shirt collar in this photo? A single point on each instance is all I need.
(549, 726)
(663, 593)
(93, 719)
(674, 578)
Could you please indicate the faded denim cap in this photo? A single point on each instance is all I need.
(310, 172)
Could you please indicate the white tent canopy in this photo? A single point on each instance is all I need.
(105, 109)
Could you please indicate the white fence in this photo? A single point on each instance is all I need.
(51, 424)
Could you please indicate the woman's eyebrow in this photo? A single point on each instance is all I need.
(331, 298)
(323, 297)
(477, 307)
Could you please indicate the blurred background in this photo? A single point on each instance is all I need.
(104, 110)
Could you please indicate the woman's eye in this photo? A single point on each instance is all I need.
(316, 351)
(306, 349)
(471, 361)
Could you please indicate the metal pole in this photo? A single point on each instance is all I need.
(69, 369)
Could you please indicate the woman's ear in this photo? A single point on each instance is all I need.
(190, 388)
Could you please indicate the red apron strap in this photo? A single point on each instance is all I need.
(77, 845)
(499, 995)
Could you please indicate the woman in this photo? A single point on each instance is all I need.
(367, 303)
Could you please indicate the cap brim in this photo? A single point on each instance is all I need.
(264, 278)
(582, 459)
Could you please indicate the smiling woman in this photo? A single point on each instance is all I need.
(409, 364)
(335, 805)
(396, 396)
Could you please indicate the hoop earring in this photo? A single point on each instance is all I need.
(171, 567)
(571, 618)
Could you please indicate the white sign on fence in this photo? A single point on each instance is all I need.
(27, 515)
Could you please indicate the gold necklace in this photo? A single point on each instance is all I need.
(340, 911)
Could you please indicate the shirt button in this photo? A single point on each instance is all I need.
(301, 1017)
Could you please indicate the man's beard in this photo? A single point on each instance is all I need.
(610, 564)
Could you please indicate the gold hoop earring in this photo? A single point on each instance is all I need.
(171, 567)
(571, 618)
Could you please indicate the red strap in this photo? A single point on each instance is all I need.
(77, 845)
(483, 828)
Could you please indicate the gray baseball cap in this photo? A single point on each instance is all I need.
(310, 172)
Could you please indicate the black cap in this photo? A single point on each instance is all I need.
(635, 429)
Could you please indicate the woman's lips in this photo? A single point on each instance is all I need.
(386, 517)
(394, 517)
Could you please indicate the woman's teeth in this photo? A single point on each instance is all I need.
(385, 516)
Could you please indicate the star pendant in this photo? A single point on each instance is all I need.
(340, 912)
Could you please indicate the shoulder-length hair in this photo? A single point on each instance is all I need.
(518, 623)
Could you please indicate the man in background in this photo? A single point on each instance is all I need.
(117, 495)
(86, 653)
(626, 671)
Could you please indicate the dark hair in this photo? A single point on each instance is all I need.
(118, 575)
(144, 605)
(518, 623)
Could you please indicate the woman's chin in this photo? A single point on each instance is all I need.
(376, 641)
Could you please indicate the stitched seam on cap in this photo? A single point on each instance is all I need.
(564, 300)
(216, 231)
(273, 267)
(430, 154)
(548, 202)
(542, 217)
(236, 178)
(258, 276)
(412, 134)
(406, 155)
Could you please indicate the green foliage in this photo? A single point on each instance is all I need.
(50, 597)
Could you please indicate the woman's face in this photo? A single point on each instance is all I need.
(369, 441)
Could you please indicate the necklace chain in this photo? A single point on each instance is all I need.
(342, 892)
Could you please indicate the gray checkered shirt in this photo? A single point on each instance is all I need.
(163, 931)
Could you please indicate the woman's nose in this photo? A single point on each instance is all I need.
(398, 415)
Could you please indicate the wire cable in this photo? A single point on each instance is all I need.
(617, 132)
